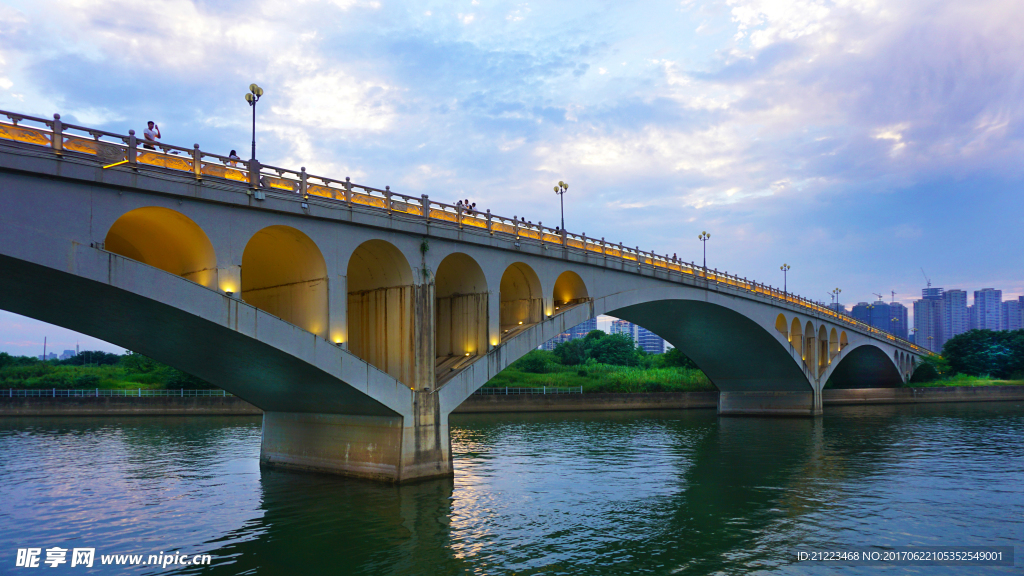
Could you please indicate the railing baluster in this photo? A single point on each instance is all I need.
(57, 138)
(197, 166)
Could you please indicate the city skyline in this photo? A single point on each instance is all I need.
(789, 131)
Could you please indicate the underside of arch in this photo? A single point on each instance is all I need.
(734, 351)
(866, 366)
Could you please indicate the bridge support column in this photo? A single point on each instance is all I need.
(385, 448)
(770, 403)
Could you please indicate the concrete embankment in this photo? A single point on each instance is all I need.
(587, 402)
(126, 406)
(922, 395)
(172, 405)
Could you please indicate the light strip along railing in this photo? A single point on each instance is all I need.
(110, 148)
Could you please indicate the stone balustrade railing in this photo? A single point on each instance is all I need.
(256, 179)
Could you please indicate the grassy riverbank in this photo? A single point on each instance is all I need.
(93, 370)
(965, 381)
(607, 378)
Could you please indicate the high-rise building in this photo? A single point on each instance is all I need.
(879, 314)
(955, 315)
(928, 324)
(68, 354)
(988, 308)
(899, 319)
(1020, 301)
(1011, 318)
(649, 341)
(624, 327)
(972, 318)
(577, 331)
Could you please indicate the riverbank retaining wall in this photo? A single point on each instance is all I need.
(126, 406)
(230, 405)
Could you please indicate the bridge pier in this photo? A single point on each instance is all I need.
(770, 403)
(394, 449)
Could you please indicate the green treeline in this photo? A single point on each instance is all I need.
(975, 357)
(93, 369)
(603, 363)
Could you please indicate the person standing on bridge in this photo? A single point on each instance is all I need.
(152, 134)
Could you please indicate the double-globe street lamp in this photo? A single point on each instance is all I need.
(252, 97)
(835, 293)
(704, 237)
(785, 268)
(561, 189)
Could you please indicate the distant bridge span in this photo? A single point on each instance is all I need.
(359, 318)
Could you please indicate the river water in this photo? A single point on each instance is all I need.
(681, 492)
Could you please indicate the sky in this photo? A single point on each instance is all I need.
(864, 143)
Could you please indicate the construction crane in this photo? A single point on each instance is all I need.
(926, 278)
(879, 296)
(893, 296)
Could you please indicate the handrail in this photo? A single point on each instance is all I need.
(257, 176)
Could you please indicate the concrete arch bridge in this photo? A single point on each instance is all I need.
(359, 318)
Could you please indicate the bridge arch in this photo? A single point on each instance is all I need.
(844, 340)
(833, 344)
(796, 338)
(865, 366)
(284, 273)
(569, 289)
(165, 239)
(460, 295)
(520, 299)
(381, 308)
(781, 326)
(809, 338)
(823, 355)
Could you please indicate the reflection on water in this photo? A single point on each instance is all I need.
(580, 493)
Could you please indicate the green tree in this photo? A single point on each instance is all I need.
(930, 369)
(572, 353)
(998, 354)
(675, 358)
(616, 349)
(534, 362)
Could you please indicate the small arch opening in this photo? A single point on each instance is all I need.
(284, 273)
(833, 344)
(167, 240)
(781, 326)
(796, 337)
(844, 341)
(380, 308)
(809, 338)
(521, 299)
(823, 355)
(569, 290)
(460, 312)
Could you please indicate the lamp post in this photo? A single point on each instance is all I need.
(561, 189)
(836, 293)
(704, 237)
(785, 268)
(252, 97)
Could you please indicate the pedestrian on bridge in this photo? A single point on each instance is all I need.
(152, 134)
